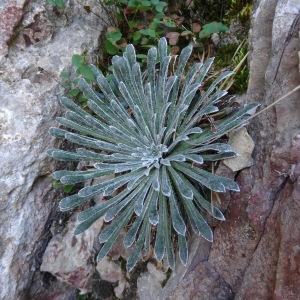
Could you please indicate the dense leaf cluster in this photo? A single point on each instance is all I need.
(144, 131)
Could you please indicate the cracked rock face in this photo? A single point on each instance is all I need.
(36, 43)
(255, 254)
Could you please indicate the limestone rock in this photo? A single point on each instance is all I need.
(243, 144)
(149, 283)
(35, 45)
(69, 257)
(111, 271)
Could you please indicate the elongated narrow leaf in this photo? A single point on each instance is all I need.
(159, 248)
(133, 258)
(183, 249)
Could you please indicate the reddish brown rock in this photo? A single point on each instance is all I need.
(256, 251)
(70, 257)
(10, 16)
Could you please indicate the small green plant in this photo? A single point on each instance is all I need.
(213, 27)
(70, 82)
(140, 22)
(151, 131)
(60, 4)
(67, 188)
(82, 67)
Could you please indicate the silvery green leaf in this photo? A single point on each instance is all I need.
(57, 132)
(202, 203)
(177, 157)
(169, 85)
(69, 104)
(90, 142)
(82, 129)
(70, 156)
(177, 220)
(162, 78)
(211, 181)
(86, 120)
(193, 130)
(214, 185)
(151, 62)
(168, 240)
(130, 197)
(116, 225)
(130, 54)
(72, 201)
(183, 58)
(132, 232)
(183, 249)
(111, 233)
(220, 78)
(111, 184)
(165, 182)
(94, 156)
(192, 74)
(96, 71)
(91, 215)
(162, 49)
(108, 114)
(155, 182)
(57, 175)
(88, 91)
(237, 119)
(139, 203)
(195, 158)
(133, 258)
(80, 228)
(89, 212)
(80, 176)
(153, 211)
(198, 223)
(202, 73)
(148, 237)
(219, 147)
(139, 88)
(159, 247)
(119, 167)
(184, 191)
(219, 156)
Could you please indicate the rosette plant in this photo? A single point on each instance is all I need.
(149, 131)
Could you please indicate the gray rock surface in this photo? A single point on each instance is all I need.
(36, 43)
(255, 253)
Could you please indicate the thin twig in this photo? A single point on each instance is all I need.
(259, 112)
(275, 102)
